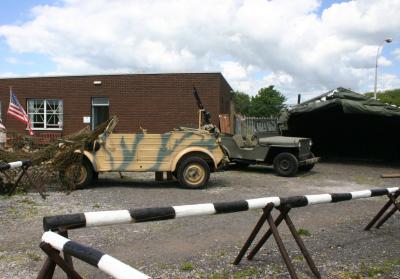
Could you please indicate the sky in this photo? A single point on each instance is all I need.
(302, 46)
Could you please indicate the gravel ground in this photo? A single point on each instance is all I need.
(204, 247)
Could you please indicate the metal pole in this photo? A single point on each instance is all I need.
(387, 40)
(376, 70)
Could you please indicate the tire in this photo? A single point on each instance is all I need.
(193, 173)
(308, 167)
(84, 176)
(286, 164)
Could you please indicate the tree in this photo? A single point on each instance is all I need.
(267, 102)
(389, 96)
(242, 102)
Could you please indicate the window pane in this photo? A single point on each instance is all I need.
(53, 114)
(100, 101)
(45, 114)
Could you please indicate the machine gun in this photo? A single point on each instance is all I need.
(203, 114)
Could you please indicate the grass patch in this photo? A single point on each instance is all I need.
(96, 205)
(34, 257)
(303, 232)
(187, 267)
(28, 201)
(298, 258)
(371, 271)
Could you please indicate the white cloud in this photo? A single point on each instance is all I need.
(253, 42)
(396, 53)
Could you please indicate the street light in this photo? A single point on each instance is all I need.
(387, 40)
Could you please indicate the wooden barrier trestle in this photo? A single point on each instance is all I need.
(24, 165)
(273, 230)
(52, 244)
(62, 223)
(396, 207)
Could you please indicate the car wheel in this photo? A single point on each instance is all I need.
(307, 167)
(193, 173)
(286, 164)
(79, 173)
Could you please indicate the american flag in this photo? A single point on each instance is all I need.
(16, 110)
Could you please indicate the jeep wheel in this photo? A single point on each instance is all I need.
(286, 164)
(308, 167)
(193, 173)
(79, 173)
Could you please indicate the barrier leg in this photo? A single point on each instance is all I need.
(254, 233)
(265, 237)
(281, 247)
(390, 213)
(14, 187)
(273, 231)
(301, 245)
(47, 270)
(67, 257)
(392, 200)
(54, 256)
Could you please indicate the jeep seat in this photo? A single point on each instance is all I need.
(238, 139)
(244, 142)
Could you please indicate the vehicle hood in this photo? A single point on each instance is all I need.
(279, 140)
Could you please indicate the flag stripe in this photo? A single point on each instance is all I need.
(17, 111)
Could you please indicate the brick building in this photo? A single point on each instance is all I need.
(156, 102)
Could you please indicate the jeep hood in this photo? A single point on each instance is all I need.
(279, 140)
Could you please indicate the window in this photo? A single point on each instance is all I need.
(45, 114)
(100, 111)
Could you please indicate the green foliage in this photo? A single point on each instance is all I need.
(383, 270)
(187, 267)
(242, 102)
(267, 102)
(389, 96)
(304, 232)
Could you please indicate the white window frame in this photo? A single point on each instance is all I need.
(45, 114)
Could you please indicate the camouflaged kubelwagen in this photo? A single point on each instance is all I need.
(189, 154)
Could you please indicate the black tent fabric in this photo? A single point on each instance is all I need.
(344, 123)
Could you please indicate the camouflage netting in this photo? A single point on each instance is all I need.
(49, 160)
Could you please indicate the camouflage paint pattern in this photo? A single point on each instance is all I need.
(152, 152)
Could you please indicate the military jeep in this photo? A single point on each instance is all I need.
(188, 154)
(286, 154)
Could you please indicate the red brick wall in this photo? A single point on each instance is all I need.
(157, 102)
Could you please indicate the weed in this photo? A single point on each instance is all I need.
(34, 257)
(371, 272)
(304, 232)
(28, 201)
(187, 267)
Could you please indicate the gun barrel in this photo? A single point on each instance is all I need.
(196, 95)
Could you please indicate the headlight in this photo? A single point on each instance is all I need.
(310, 142)
(299, 144)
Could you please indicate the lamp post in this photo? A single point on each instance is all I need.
(387, 40)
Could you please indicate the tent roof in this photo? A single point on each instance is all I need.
(350, 102)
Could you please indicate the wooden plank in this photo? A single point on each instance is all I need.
(224, 123)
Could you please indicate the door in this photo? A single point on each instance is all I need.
(100, 111)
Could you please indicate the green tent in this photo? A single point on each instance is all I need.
(349, 101)
(343, 122)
